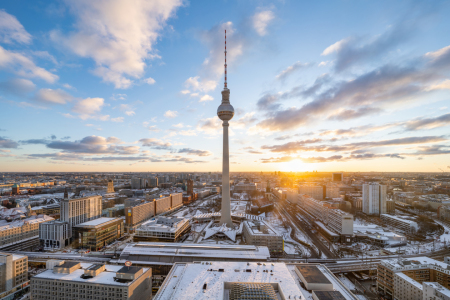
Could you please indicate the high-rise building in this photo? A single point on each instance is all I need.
(374, 199)
(225, 112)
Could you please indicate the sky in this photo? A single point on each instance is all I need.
(134, 85)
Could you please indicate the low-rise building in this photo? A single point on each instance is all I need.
(250, 280)
(95, 234)
(74, 280)
(168, 229)
(260, 233)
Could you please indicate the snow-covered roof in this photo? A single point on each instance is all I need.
(96, 222)
(186, 280)
(105, 277)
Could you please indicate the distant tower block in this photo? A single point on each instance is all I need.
(15, 189)
(337, 176)
(110, 186)
(225, 112)
(190, 187)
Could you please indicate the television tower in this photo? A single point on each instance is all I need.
(225, 112)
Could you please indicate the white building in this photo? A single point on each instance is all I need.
(374, 199)
(401, 223)
(162, 228)
(74, 280)
(242, 280)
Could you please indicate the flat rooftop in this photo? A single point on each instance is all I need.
(186, 280)
(312, 274)
(329, 295)
(105, 277)
(178, 252)
(96, 222)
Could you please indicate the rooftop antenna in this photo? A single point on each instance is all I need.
(225, 59)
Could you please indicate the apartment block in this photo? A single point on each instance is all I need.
(374, 199)
(313, 190)
(138, 214)
(16, 231)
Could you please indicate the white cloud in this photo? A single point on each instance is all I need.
(206, 98)
(438, 53)
(211, 126)
(335, 47)
(323, 63)
(117, 120)
(24, 66)
(153, 128)
(291, 69)
(88, 106)
(200, 85)
(444, 85)
(149, 80)
(185, 92)
(179, 125)
(117, 35)
(261, 20)
(170, 114)
(190, 132)
(53, 96)
(11, 30)
(119, 97)
(195, 94)
(130, 113)
(68, 86)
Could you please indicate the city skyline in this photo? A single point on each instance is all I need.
(106, 86)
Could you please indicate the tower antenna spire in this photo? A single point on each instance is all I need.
(225, 59)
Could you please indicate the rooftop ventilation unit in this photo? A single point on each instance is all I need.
(129, 273)
(94, 270)
(67, 267)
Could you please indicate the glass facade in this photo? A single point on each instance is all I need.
(96, 238)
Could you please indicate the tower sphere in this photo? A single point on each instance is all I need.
(225, 112)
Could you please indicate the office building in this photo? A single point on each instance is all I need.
(73, 280)
(260, 233)
(168, 229)
(58, 234)
(13, 274)
(245, 187)
(413, 278)
(94, 235)
(242, 280)
(153, 182)
(390, 207)
(374, 199)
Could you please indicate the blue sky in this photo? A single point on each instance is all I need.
(135, 85)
